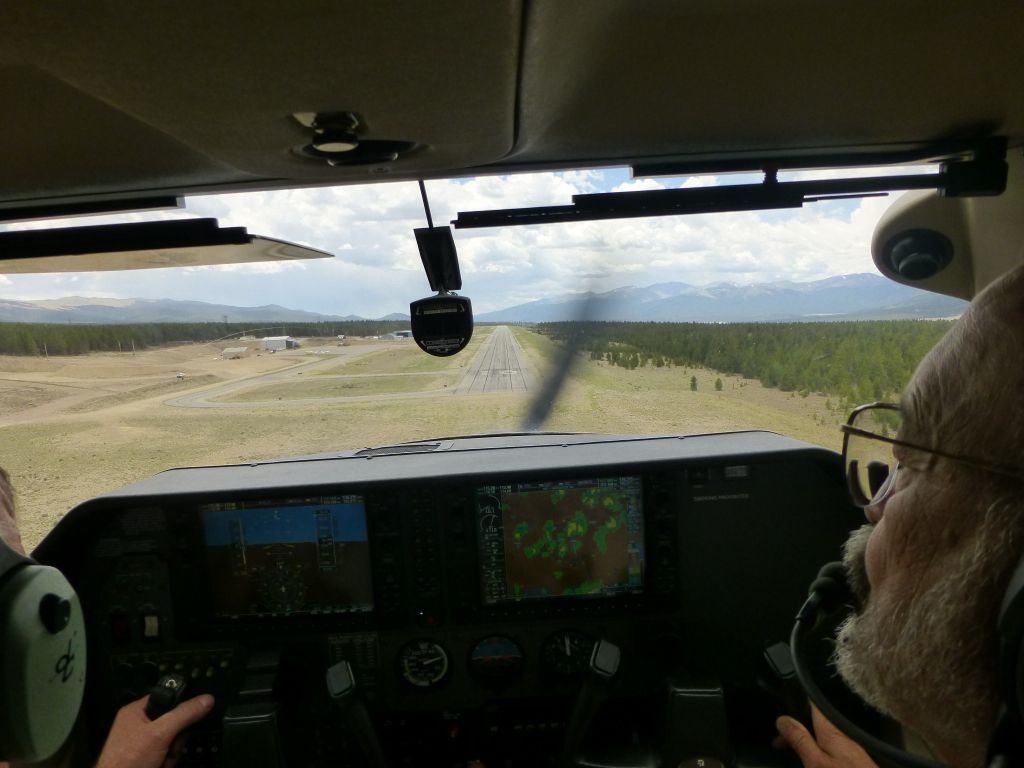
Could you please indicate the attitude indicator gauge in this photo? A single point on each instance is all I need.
(423, 663)
(496, 660)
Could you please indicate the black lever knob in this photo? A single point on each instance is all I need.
(54, 612)
(341, 685)
(165, 695)
(604, 663)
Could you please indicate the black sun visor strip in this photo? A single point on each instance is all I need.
(983, 174)
(141, 245)
(111, 238)
(855, 157)
(90, 208)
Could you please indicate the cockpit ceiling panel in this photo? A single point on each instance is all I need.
(126, 99)
(190, 95)
(712, 77)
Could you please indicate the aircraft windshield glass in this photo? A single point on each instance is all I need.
(772, 320)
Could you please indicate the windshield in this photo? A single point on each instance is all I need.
(759, 320)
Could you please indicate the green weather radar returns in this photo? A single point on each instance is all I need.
(561, 539)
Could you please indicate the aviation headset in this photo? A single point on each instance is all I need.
(830, 591)
(42, 658)
(1008, 740)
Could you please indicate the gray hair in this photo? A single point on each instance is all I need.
(966, 393)
(929, 658)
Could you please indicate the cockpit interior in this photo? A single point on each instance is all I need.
(252, 581)
(521, 599)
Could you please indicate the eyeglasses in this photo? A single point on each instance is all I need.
(868, 460)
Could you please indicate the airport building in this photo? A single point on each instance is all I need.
(277, 343)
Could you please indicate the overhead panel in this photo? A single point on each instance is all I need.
(712, 77)
(191, 96)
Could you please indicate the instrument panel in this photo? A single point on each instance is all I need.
(466, 588)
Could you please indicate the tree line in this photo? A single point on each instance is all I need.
(59, 339)
(856, 361)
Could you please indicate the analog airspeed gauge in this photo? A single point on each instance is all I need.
(423, 663)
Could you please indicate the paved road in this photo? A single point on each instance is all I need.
(498, 367)
(203, 398)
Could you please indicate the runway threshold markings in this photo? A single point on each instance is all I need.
(496, 367)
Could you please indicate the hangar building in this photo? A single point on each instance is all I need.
(276, 343)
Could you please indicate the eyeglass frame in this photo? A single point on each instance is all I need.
(848, 429)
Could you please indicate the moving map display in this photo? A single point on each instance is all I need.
(570, 538)
(300, 556)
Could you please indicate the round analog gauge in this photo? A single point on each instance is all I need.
(566, 654)
(496, 660)
(423, 663)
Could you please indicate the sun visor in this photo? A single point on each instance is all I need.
(141, 245)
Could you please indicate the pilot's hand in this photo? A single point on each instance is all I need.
(830, 748)
(8, 524)
(135, 741)
(9, 532)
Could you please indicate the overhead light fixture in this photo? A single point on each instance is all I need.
(335, 132)
(339, 139)
(334, 141)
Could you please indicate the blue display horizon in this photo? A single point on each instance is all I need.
(286, 524)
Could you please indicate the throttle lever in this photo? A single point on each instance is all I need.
(604, 663)
(341, 685)
(779, 659)
(165, 695)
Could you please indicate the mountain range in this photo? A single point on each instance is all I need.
(91, 310)
(848, 297)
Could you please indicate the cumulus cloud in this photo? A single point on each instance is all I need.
(638, 185)
(857, 173)
(699, 181)
(377, 269)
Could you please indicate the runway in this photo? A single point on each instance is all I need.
(498, 367)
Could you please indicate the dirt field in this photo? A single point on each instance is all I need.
(75, 427)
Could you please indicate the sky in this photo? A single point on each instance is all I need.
(376, 268)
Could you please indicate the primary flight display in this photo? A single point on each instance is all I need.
(287, 557)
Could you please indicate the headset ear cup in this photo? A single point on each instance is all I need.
(1011, 644)
(42, 662)
(1019, 683)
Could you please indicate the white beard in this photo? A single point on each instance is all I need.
(926, 659)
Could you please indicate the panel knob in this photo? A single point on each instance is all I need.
(54, 612)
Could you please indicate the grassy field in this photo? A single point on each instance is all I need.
(407, 358)
(72, 428)
(603, 398)
(356, 386)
